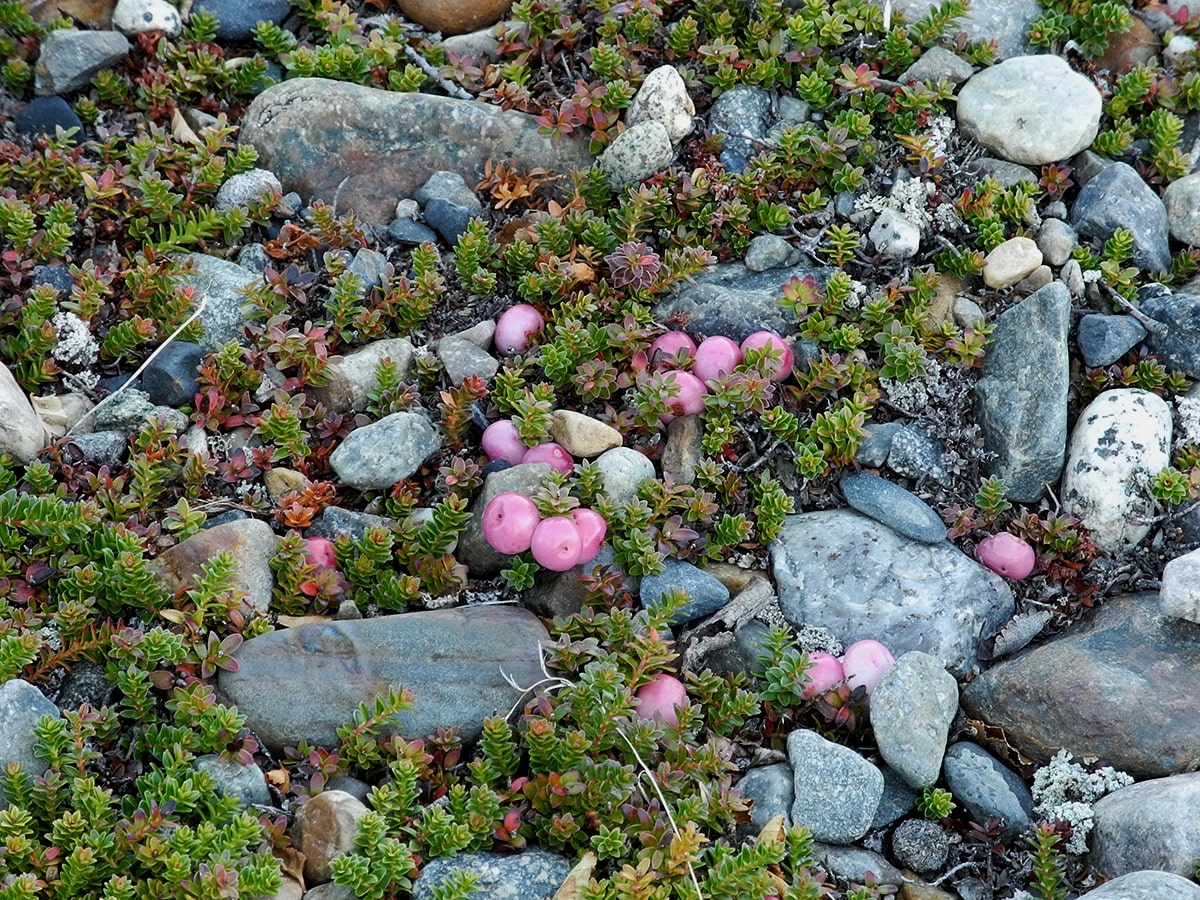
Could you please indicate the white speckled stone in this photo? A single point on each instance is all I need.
(140, 16)
(663, 97)
(638, 152)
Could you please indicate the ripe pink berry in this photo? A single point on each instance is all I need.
(824, 672)
(690, 399)
(516, 326)
(667, 346)
(592, 529)
(775, 371)
(1007, 555)
(864, 663)
(556, 543)
(551, 453)
(716, 355)
(318, 551)
(509, 522)
(660, 698)
(502, 441)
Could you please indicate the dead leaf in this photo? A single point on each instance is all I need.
(181, 130)
(774, 831)
(291, 863)
(280, 778)
(174, 616)
(580, 878)
(300, 621)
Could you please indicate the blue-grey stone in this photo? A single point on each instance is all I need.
(836, 790)
(917, 455)
(21, 706)
(853, 863)
(1117, 197)
(1021, 399)
(244, 783)
(336, 521)
(171, 379)
(742, 116)
(370, 266)
(1105, 339)
(236, 18)
(215, 283)
(707, 594)
(104, 447)
(69, 58)
(532, 875)
(982, 784)
(410, 231)
(893, 506)
(1177, 343)
(772, 789)
(383, 453)
(448, 218)
(58, 276)
(46, 115)
(448, 204)
(1149, 884)
(898, 798)
(875, 446)
(912, 709)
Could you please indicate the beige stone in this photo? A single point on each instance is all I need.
(582, 435)
(325, 829)
(454, 16)
(21, 431)
(1013, 260)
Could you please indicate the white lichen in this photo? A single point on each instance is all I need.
(1064, 791)
(75, 345)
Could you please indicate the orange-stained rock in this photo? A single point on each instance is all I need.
(454, 16)
(87, 13)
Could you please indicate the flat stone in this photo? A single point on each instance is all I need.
(836, 790)
(770, 251)
(842, 571)
(938, 64)
(70, 58)
(251, 542)
(236, 18)
(853, 863)
(1107, 687)
(1021, 398)
(1007, 22)
(215, 283)
(1117, 197)
(706, 593)
(987, 789)
(45, 115)
(581, 435)
(462, 360)
(302, 683)
(245, 783)
(1182, 200)
(370, 146)
(532, 875)
(892, 505)
(912, 708)
(383, 453)
(1150, 825)
(1146, 885)
(773, 789)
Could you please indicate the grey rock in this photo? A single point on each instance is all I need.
(1030, 109)
(1117, 197)
(1006, 22)
(1182, 201)
(968, 313)
(917, 455)
(1121, 440)
(733, 301)
(873, 450)
(369, 146)
(57, 276)
(251, 542)
(1146, 885)
(1150, 825)
(938, 64)
(302, 683)
(473, 550)
(336, 521)
(245, 783)
(742, 116)
(663, 97)
(898, 799)
(1177, 345)
(836, 790)
(45, 115)
(853, 864)
(69, 58)
(1104, 339)
(532, 875)
(912, 708)
(770, 251)
(772, 789)
(370, 266)
(637, 152)
(378, 455)
(740, 654)
(622, 471)
(171, 378)
(462, 359)
(1108, 687)
(130, 410)
(353, 376)
(1035, 280)
(449, 204)
(21, 706)
(920, 845)
(104, 447)
(987, 789)
(1056, 239)
(859, 579)
(244, 188)
(1009, 174)
(1179, 592)
(1021, 399)
(215, 283)
(253, 258)
(236, 18)
(1072, 276)
(21, 431)
(892, 505)
(410, 231)
(707, 595)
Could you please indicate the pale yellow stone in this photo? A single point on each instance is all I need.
(582, 435)
(1013, 260)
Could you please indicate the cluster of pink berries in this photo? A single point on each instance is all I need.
(862, 664)
(501, 440)
(512, 525)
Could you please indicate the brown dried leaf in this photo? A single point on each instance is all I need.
(580, 877)
(291, 863)
(300, 621)
(775, 830)
(181, 130)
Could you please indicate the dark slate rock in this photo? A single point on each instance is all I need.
(1177, 345)
(1105, 339)
(57, 276)
(1107, 687)
(898, 798)
(1021, 399)
(370, 266)
(1117, 197)
(1150, 825)
(920, 845)
(741, 654)
(1146, 885)
(988, 790)
(772, 789)
(302, 683)
(86, 682)
(733, 301)
(369, 146)
(410, 231)
(917, 455)
(843, 571)
(69, 58)
(230, 515)
(707, 594)
(892, 505)
(742, 116)
(45, 115)
(532, 875)
(873, 449)
(171, 379)
(104, 447)
(236, 18)
(336, 521)
(853, 863)
(21, 705)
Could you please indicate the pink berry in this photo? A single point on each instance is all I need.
(776, 371)
(592, 529)
(689, 401)
(824, 672)
(318, 551)
(716, 355)
(666, 348)
(551, 453)
(516, 326)
(1007, 555)
(864, 663)
(556, 543)
(502, 441)
(509, 522)
(661, 698)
